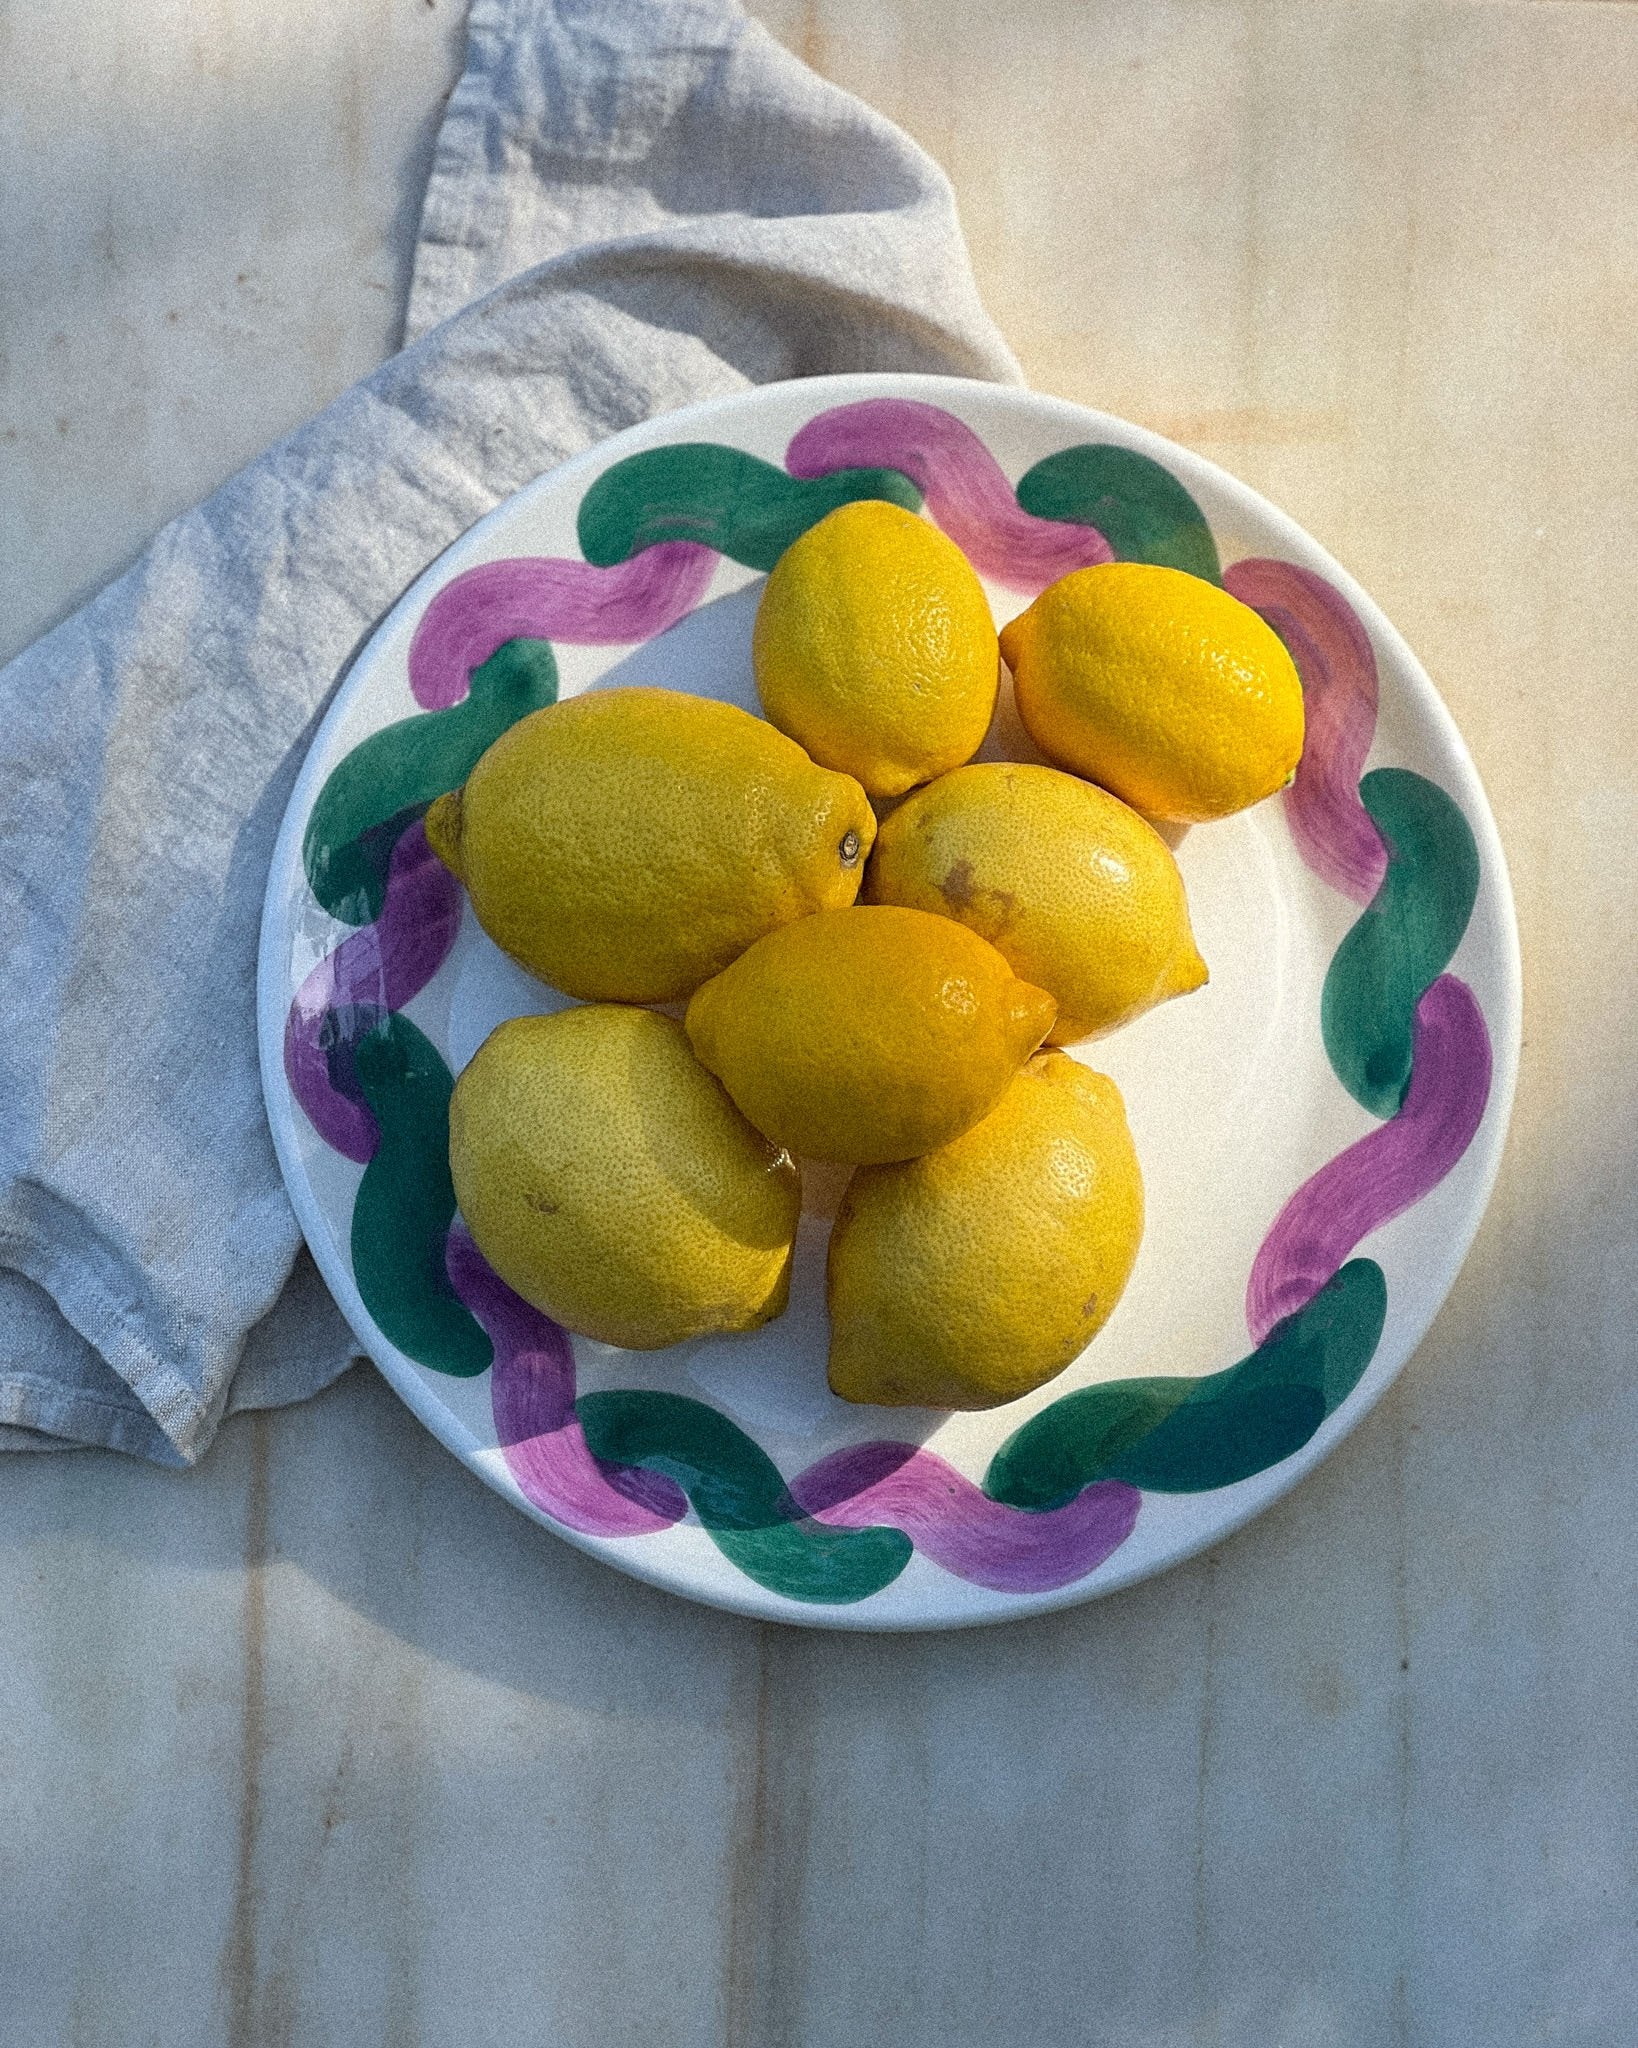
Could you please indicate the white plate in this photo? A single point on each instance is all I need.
(1267, 1179)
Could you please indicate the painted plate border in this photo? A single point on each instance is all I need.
(681, 1558)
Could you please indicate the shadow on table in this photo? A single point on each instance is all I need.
(348, 1500)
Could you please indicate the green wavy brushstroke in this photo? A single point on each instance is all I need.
(1190, 1436)
(374, 793)
(1138, 506)
(406, 1202)
(740, 1498)
(738, 504)
(1403, 941)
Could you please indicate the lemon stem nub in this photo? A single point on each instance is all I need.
(849, 849)
(443, 830)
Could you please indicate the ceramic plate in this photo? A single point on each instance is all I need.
(1319, 1128)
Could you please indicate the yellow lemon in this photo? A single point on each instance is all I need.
(607, 1179)
(627, 844)
(867, 1034)
(1159, 686)
(976, 1274)
(875, 648)
(1076, 891)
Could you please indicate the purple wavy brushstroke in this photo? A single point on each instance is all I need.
(1333, 831)
(542, 597)
(531, 1390)
(966, 489)
(378, 968)
(1386, 1171)
(381, 968)
(1008, 1550)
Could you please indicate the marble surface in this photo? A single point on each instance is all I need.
(323, 1744)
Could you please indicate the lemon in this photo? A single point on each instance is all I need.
(1077, 892)
(627, 844)
(607, 1179)
(875, 648)
(1160, 686)
(976, 1274)
(867, 1034)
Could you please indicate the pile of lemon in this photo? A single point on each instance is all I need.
(869, 993)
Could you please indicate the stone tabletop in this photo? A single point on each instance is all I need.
(322, 1743)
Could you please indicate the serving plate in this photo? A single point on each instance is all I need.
(1319, 1128)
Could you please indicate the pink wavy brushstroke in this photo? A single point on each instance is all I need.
(1387, 1170)
(966, 489)
(948, 1518)
(541, 597)
(531, 1389)
(1333, 831)
(378, 968)
(1007, 1550)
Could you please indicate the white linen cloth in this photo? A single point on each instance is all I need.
(631, 206)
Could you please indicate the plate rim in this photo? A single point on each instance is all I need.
(734, 1591)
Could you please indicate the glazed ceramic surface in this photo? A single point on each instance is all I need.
(1319, 1128)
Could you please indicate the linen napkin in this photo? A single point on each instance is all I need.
(637, 205)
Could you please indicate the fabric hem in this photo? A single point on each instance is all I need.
(172, 1407)
(77, 1420)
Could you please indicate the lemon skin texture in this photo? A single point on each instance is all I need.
(1078, 893)
(867, 1034)
(627, 844)
(1160, 686)
(974, 1275)
(874, 647)
(608, 1180)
